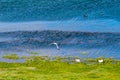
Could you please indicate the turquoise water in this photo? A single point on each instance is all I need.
(71, 15)
(66, 15)
(53, 10)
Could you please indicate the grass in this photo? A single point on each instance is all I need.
(33, 52)
(44, 68)
(11, 56)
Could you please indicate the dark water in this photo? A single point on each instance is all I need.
(37, 39)
(71, 43)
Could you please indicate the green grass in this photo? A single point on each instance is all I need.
(11, 56)
(33, 52)
(42, 68)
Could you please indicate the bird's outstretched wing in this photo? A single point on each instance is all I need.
(56, 45)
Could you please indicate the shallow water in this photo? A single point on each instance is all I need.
(106, 52)
(81, 44)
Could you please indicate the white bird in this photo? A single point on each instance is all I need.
(77, 60)
(56, 45)
(100, 60)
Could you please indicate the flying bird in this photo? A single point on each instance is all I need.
(56, 45)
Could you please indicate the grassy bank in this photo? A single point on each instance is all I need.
(11, 56)
(43, 68)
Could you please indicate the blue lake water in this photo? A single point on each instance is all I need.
(72, 43)
(90, 27)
